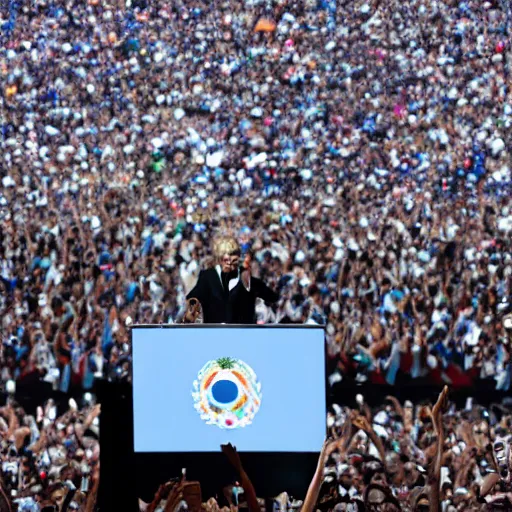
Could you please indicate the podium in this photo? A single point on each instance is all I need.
(195, 387)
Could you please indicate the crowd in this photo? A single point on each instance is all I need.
(360, 152)
(49, 462)
(415, 457)
(394, 458)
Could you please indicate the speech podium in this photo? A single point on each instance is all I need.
(194, 387)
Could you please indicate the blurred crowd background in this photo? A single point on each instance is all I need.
(359, 151)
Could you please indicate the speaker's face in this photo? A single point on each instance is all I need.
(229, 262)
(225, 263)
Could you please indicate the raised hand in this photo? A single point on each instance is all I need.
(377, 330)
(440, 408)
(230, 452)
(396, 404)
(252, 501)
(161, 494)
(362, 423)
(328, 448)
(175, 497)
(314, 487)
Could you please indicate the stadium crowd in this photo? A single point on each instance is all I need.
(49, 462)
(393, 458)
(360, 151)
(359, 154)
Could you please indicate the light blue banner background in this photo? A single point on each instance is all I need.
(289, 364)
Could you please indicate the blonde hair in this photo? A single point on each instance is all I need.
(225, 245)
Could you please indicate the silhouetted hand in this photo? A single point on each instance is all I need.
(175, 497)
(440, 408)
(230, 452)
(362, 423)
(396, 404)
(328, 448)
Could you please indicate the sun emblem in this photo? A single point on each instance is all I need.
(227, 393)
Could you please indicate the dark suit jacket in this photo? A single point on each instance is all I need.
(235, 307)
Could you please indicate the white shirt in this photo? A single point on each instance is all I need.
(232, 282)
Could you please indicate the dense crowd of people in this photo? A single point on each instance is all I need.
(360, 155)
(359, 151)
(416, 457)
(49, 462)
(398, 457)
(392, 457)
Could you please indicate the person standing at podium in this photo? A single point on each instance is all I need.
(227, 292)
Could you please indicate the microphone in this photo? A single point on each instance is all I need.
(244, 263)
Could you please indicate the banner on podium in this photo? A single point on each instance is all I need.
(261, 388)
